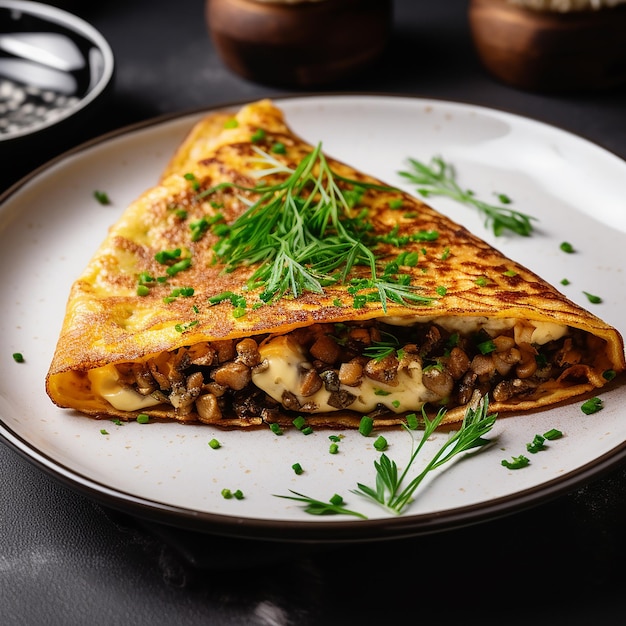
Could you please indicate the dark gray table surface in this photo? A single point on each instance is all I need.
(65, 559)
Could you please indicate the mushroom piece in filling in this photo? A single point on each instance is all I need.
(362, 367)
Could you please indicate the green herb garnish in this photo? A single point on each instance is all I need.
(517, 462)
(275, 428)
(102, 197)
(536, 445)
(381, 443)
(381, 349)
(18, 357)
(438, 178)
(304, 234)
(299, 422)
(552, 434)
(366, 425)
(593, 299)
(181, 328)
(593, 405)
(390, 491)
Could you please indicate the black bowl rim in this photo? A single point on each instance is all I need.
(73, 22)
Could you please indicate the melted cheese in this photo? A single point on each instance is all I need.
(105, 382)
(286, 360)
(538, 333)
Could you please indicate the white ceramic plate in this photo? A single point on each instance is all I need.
(51, 224)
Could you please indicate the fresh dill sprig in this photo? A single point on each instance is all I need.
(389, 491)
(381, 349)
(304, 235)
(317, 507)
(438, 178)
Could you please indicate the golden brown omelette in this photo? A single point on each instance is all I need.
(261, 280)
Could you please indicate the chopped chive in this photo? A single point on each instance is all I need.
(299, 422)
(18, 357)
(552, 434)
(307, 430)
(517, 463)
(181, 328)
(103, 431)
(180, 266)
(536, 445)
(102, 197)
(593, 405)
(195, 183)
(609, 374)
(165, 256)
(258, 135)
(380, 444)
(214, 444)
(238, 494)
(143, 290)
(143, 418)
(220, 297)
(336, 499)
(279, 148)
(297, 468)
(366, 425)
(227, 494)
(486, 347)
(276, 429)
(333, 448)
(567, 247)
(412, 422)
(565, 282)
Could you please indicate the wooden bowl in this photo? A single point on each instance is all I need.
(548, 51)
(302, 43)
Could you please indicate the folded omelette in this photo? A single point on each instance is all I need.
(262, 281)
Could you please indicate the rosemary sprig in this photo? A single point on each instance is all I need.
(438, 178)
(389, 491)
(304, 235)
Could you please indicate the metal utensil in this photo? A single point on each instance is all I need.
(51, 49)
(34, 74)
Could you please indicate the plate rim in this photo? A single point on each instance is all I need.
(296, 530)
